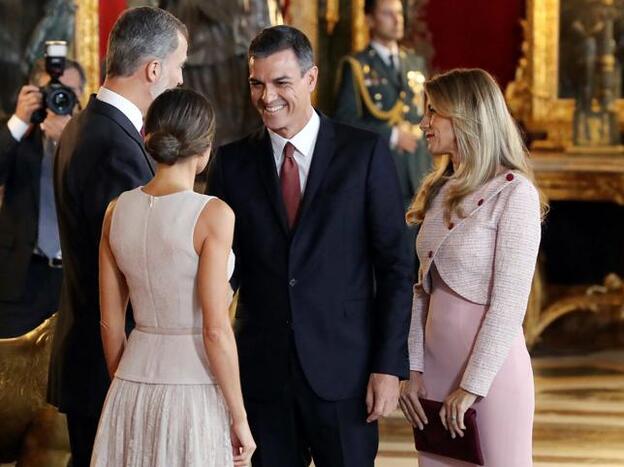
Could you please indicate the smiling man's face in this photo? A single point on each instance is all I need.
(281, 92)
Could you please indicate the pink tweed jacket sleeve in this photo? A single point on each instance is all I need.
(487, 257)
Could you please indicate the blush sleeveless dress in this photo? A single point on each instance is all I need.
(164, 407)
(505, 415)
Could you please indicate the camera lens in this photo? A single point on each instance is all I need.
(61, 101)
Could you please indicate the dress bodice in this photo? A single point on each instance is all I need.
(152, 240)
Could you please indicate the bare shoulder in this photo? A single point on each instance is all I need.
(216, 218)
(218, 210)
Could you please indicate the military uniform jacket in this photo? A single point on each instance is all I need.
(374, 95)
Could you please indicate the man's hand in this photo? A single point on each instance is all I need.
(382, 396)
(28, 100)
(406, 142)
(54, 125)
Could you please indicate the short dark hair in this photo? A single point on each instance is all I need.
(38, 69)
(369, 6)
(180, 123)
(277, 38)
(140, 34)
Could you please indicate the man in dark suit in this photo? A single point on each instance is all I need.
(30, 251)
(100, 155)
(322, 268)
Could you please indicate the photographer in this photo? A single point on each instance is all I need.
(30, 256)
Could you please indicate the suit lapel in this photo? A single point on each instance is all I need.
(270, 180)
(34, 156)
(124, 122)
(322, 156)
(34, 152)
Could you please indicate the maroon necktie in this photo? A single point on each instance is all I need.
(291, 187)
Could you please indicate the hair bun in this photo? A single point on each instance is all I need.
(163, 146)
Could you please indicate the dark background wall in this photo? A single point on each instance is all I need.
(477, 33)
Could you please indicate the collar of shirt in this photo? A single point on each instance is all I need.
(304, 143)
(126, 107)
(384, 52)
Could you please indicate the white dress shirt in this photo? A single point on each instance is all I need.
(386, 53)
(122, 104)
(304, 143)
(17, 127)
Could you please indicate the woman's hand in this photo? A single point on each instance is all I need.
(453, 410)
(411, 390)
(243, 444)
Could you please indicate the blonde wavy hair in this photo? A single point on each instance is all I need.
(488, 140)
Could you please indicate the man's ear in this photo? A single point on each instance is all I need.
(153, 69)
(312, 78)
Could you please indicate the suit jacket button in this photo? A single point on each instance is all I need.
(292, 282)
(431, 254)
(451, 225)
(480, 202)
(509, 177)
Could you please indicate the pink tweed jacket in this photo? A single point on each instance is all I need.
(488, 257)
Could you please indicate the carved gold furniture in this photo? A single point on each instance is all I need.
(31, 432)
(567, 177)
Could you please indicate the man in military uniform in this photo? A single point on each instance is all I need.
(381, 88)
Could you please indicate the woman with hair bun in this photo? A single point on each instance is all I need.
(175, 397)
(479, 215)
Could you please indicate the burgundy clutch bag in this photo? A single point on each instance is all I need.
(436, 440)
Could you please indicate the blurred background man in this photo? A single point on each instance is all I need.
(381, 88)
(30, 252)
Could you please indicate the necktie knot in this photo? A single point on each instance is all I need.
(289, 150)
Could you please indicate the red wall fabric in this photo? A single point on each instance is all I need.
(477, 33)
(109, 12)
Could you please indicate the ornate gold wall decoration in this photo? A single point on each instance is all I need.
(304, 16)
(87, 43)
(534, 95)
(332, 15)
(359, 29)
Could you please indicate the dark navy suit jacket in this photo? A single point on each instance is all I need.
(100, 155)
(338, 285)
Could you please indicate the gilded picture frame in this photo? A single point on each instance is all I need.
(533, 96)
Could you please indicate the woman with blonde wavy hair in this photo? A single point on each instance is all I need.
(479, 216)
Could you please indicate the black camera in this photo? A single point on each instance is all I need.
(56, 96)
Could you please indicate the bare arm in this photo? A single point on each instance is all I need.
(113, 299)
(213, 241)
(215, 230)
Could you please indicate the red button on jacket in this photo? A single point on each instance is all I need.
(510, 177)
